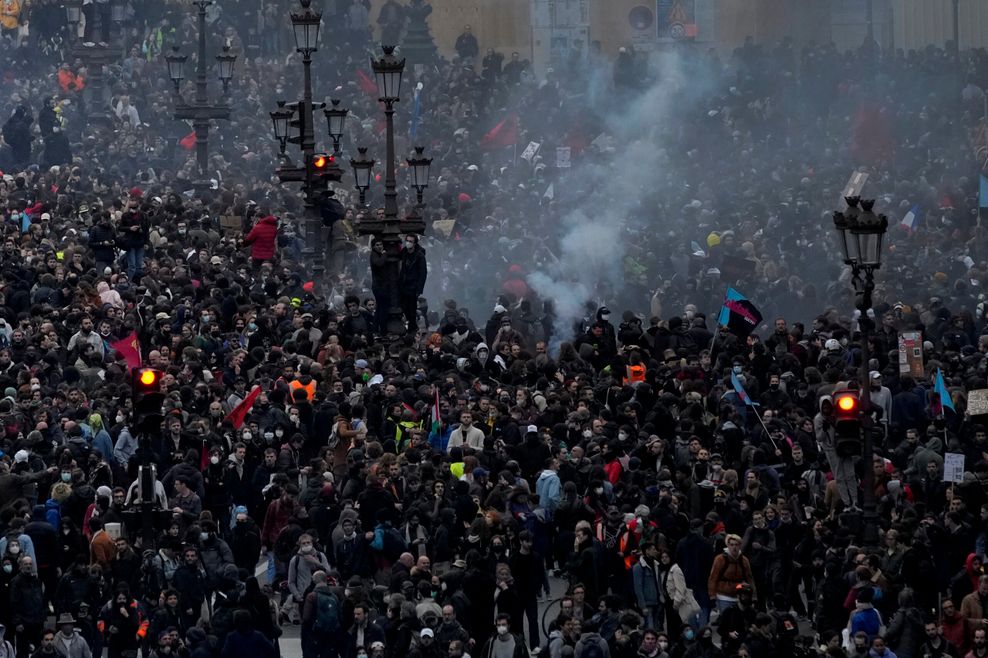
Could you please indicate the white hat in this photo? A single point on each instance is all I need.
(532, 429)
(427, 632)
(104, 491)
(832, 344)
(21, 456)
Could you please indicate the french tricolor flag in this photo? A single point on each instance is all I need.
(909, 221)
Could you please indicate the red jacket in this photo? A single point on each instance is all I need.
(263, 238)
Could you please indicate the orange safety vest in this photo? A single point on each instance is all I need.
(635, 374)
(310, 388)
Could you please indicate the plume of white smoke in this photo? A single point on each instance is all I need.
(609, 187)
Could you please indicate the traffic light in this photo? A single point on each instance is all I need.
(148, 400)
(321, 165)
(847, 426)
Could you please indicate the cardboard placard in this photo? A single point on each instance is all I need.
(444, 226)
(855, 184)
(953, 467)
(563, 154)
(911, 353)
(231, 224)
(530, 151)
(977, 402)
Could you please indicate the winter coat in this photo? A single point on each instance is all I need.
(27, 601)
(263, 238)
(646, 584)
(906, 633)
(411, 280)
(549, 490)
(300, 571)
(72, 647)
(681, 596)
(215, 554)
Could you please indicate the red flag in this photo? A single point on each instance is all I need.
(871, 135)
(238, 415)
(503, 134)
(203, 456)
(367, 83)
(188, 142)
(130, 349)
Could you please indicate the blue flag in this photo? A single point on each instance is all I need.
(983, 192)
(739, 389)
(941, 388)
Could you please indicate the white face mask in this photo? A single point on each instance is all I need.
(663, 645)
(502, 629)
(247, 436)
(120, 418)
(214, 460)
(14, 550)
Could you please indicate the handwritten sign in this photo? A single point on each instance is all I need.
(953, 467)
(563, 157)
(977, 402)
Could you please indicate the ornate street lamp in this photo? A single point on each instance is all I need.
(335, 117)
(861, 233)
(362, 166)
(419, 164)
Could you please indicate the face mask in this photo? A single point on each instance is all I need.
(205, 319)
(8, 568)
(307, 548)
(737, 370)
(502, 630)
(688, 634)
(247, 436)
(66, 477)
(605, 316)
(279, 433)
(599, 490)
(14, 550)
(214, 460)
(251, 327)
(409, 244)
(587, 434)
(181, 231)
(663, 645)
(622, 436)
(348, 592)
(203, 536)
(269, 436)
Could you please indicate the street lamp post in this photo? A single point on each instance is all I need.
(316, 171)
(388, 70)
(201, 111)
(861, 233)
(95, 53)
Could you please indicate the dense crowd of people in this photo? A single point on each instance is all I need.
(537, 479)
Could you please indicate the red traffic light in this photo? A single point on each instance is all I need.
(846, 403)
(321, 160)
(147, 380)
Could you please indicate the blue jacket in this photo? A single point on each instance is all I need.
(867, 620)
(549, 490)
(646, 584)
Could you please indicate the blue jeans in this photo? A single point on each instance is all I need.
(723, 605)
(135, 260)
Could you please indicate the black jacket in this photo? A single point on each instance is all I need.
(411, 280)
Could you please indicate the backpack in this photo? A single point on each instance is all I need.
(394, 543)
(285, 544)
(327, 613)
(592, 650)
(334, 437)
